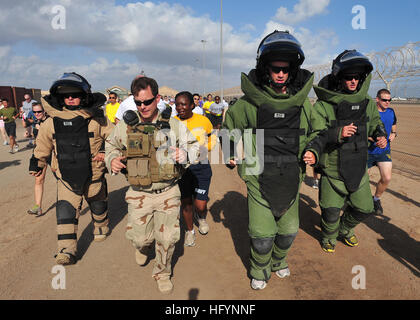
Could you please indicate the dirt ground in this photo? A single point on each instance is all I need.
(216, 268)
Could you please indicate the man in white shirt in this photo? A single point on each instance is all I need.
(197, 109)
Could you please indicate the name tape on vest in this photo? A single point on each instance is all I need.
(278, 115)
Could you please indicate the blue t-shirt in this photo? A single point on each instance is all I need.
(31, 116)
(389, 119)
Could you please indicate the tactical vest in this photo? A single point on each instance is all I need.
(73, 151)
(279, 182)
(144, 141)
(352, 153)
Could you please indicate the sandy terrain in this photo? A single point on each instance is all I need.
(216, 268)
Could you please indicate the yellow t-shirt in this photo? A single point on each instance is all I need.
(111, 110)
(201, 128)
(206, 106)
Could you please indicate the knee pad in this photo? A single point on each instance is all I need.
(66, 213)
(262, 245)
(331, 215)
(358, 215)
(284, 241)
(98, 207)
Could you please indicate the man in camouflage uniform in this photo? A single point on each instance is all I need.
(153, 149)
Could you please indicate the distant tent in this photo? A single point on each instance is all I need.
(120, 91)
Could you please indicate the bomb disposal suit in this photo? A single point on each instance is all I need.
(344, 160)
(273, 179)
(75, 137)
(153, 197)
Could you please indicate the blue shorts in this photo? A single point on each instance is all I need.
(195, 182)
(373, 159)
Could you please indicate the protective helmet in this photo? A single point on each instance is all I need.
(351, 61)
(278, 46)
(72, 82)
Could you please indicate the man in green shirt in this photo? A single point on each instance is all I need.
(9, 115)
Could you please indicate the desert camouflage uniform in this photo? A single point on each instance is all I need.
(153, 212)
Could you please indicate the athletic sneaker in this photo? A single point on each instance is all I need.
(350, 241)
(377, 206)
(12, 151)
(316, 184)
(283, 273)
(258, 284)
(16, 148)
(203, 226)
(5, 143)
(189, 239)
(35, 210)
(328, 247)
(30, 145)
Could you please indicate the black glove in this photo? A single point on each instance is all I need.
(33, 165)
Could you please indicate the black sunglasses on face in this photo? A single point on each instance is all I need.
(74, 95)
(276, 69)
(349, 77)
(113, 97)
(37, 111)
(145, 102)
(386, 100)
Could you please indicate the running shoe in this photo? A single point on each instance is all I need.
(258, 284)
(35, 210)
(189, 239)
(328, 247)
(283, 273)
(5, 143)
(377, 207)
(203, 226)
(12, 151)
(16, 148)
(351, 241)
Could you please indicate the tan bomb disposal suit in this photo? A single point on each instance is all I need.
(94, 189)
(153, 197)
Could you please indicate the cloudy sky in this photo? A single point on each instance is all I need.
(110, 41)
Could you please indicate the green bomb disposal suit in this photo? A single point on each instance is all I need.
(343, 162)
(273, 178)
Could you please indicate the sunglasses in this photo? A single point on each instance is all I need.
(38, 112)
(276, 69)
(112, 97)
(145, 102)
(386, 100)
(74, 95)
(349, 77)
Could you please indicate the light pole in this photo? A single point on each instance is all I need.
(204, 66)
(221, 51)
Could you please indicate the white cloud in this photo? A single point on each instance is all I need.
(164, 38)
(301, 11)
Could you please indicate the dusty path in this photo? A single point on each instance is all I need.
(216, 268)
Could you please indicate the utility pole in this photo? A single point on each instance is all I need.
(221, 51)
(204, 66)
